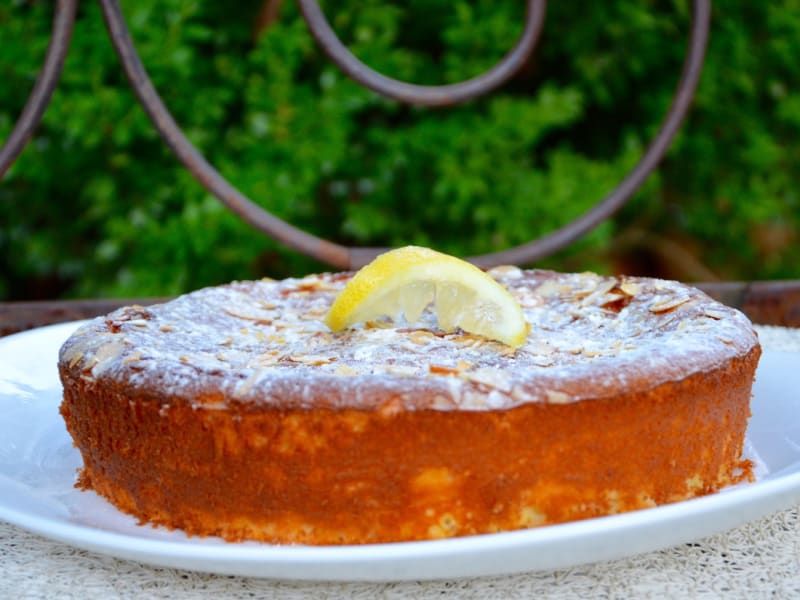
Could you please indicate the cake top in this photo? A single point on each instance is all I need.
(265, 342)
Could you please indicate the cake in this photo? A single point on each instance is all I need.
(234, 411)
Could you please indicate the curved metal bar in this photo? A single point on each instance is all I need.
(532, 251)
(425, 95)
(344, 257)
(323, 250)
(63, 22)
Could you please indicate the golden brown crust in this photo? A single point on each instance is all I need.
(337, 473)
(332, 477)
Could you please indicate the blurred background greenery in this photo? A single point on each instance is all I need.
(98, 206)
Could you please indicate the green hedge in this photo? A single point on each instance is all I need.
(98, 205)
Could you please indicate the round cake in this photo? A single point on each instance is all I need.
(234, 411)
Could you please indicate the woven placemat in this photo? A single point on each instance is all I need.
(758, 560)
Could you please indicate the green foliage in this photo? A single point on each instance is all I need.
(98, 205)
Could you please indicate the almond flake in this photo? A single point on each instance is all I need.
(421, 337)
(105, 355)
(667, 322)
(495, 378)
(712, 313)
(666, 304)
(506, 271)
(248, 383)
(551, 288)
(519, 394)
(405, 370)
(556, 397)
(75, 359)
(310, 359)
(345, 371)
(132, 358)
(601, 289)
(630, 288)
(257, 319)
(539, 348)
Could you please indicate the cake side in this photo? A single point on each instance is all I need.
(328, 476)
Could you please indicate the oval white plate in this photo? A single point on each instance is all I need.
(38, 465)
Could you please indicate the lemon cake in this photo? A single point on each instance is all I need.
(236, 411)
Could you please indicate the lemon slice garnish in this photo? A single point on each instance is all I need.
(402, 283)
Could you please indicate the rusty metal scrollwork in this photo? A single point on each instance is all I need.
(63, 23)
(336, 255)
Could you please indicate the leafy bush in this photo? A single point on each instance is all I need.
(98, 205)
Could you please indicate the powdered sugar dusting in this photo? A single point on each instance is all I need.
(265, 342)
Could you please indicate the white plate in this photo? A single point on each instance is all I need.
(38, 465)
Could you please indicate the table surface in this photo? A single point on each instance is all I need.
(756, 560)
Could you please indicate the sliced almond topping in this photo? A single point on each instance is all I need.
(661, 285)
(519, 394)
(661, 305)
(495, 378)
(313, 314)
(551, 288)
(463, 365)
(602, 288)
(504, 350)
(257, 319)
(715, 314)
(104, 356)
(345, 371)
(310, 359)
(667, 322)
(404, 370)
(538, 347)
(421, 337)
(556, 397)
(75, 359)
(132, 358)
(441, 402)
(507, 271)
(630, 288)
(442, 370)
(248, 383)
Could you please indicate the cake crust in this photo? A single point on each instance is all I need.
(232, 411)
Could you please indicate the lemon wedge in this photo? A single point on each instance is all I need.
(402, 283)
